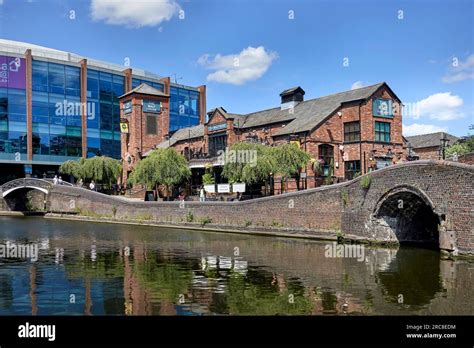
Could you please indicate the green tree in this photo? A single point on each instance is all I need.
(74, 168)
(162, 167)
(248, 162)
(208, 178)
(289, 160)
(102, 169)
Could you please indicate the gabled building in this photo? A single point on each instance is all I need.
(350, 133)
(429, 146)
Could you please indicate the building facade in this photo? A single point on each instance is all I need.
(56, 106)
(430, 146)
(349, 133)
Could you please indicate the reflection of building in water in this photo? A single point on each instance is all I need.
(236, 264)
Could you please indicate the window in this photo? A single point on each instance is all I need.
(151, 124)
(216, 143)
(382, 132)
(351, 168)
(352, 131)
(326, 154)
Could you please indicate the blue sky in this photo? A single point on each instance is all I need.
(247, 52)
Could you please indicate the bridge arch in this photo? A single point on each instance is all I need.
(409, 216)
(6, 193)
(26, 183)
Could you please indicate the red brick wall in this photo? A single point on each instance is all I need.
(468, 158)
(137, 141)
(428, 152)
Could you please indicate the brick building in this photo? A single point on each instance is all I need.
(350, 132)
(429, 146)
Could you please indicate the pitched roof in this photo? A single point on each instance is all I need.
(430, 140)
(182, 134)
(306, 114)
(145, 89)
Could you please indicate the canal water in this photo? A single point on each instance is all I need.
(81, 268)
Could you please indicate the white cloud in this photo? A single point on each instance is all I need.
(416, 128)
(134, 13)
(438, 106)
(250, 64)
(463, 70)
(357, 84)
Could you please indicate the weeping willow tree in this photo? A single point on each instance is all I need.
(289, 160)
(102, 169)
(74, 168)
(162, 167)
(248, 162)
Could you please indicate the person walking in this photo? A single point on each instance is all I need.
(92, 186)
(60, 180)
(202, 195)
(55, 180)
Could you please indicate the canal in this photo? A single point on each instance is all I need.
(84, 268)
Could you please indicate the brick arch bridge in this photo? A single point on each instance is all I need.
(427, 202)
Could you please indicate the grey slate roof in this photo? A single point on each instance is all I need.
(430, 140)
(306, 115)
(145, 89)
(182, 134)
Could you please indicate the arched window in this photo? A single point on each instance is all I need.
(326, 154)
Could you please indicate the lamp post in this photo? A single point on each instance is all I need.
(444, 143)
(410, 152)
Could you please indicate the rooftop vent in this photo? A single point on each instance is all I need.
(291, 97)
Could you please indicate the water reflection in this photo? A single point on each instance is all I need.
(90, 269)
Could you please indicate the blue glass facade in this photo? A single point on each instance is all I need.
(103, 128)
(184, 108)
(56, 111)
(137, 82)
(13, 135)
(12, 123)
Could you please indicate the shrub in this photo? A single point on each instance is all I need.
(365, 182)
(206, 220)
(189, 216)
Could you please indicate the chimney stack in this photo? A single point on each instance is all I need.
(291, 97)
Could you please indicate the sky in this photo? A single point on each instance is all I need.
(248, 51)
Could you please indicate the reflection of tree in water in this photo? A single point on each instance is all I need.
(159, 278)
(254, 294)
(414, 274)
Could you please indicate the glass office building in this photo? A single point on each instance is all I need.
(46, 85)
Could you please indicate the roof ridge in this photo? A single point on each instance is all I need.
(312, 99)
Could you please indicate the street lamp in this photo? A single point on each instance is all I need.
(444, 143)
(410, 152)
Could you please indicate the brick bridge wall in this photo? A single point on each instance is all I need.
(321, 212)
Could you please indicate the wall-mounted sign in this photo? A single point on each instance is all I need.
(382, 107)
(151, 106)
(217, 126)
(124, 127)
(295, 142)
(127, 107)
(12, 72)
(238, 187)
(223, 188)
